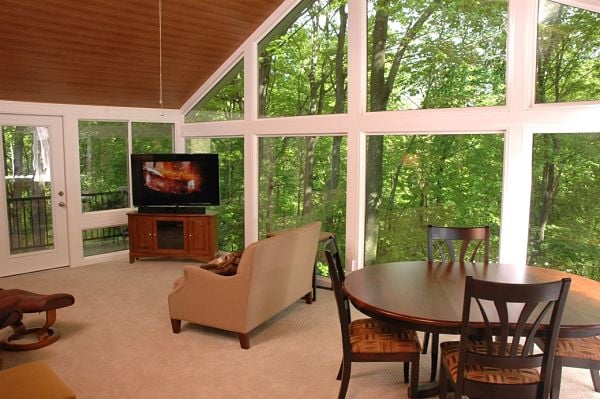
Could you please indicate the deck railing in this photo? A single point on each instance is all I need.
(30, 219)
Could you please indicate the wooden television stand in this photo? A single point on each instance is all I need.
(179, 235)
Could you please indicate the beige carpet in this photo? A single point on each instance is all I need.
(117, 343)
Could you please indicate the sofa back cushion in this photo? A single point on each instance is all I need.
(280, 272)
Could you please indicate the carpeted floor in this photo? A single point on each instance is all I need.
(117, 343)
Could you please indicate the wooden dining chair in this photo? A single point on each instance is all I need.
(440, 241)
(500, 362)
(369, 340)
(583, 353)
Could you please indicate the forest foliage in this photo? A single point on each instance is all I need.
(428, 54)
(422, 54)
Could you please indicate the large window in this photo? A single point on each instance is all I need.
(224, 102)
(303, 179)
(444, 180)
(303, 62)
(231, 187)
(151, 138)
(564, 225)
(436, 54)
(103, 160)
(568, 54)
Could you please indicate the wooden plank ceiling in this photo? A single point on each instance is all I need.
(106, 52)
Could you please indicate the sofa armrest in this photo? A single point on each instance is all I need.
(204, 297)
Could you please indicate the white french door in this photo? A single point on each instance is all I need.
(33, 220)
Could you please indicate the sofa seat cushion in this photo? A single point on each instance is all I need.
(225, 265)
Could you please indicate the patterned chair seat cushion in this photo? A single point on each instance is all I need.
(490, 375)
(372, 336)
(579, 348)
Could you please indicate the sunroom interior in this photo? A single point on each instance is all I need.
(375, 118)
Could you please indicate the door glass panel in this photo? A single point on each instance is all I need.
(28, 184)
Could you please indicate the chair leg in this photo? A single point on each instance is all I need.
(435, 344)
(443, 385)
(406, 372)
(339, 374)
(308, 298)
(595, 379)
(244, 340)
(346, 366)
(176, 326)
(425, 342)
(556, 377)
(414, 378)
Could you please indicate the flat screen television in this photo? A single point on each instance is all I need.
(164, 182)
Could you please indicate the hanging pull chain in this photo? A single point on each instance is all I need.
(160, 90)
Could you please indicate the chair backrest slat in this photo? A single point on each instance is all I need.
(471, 239)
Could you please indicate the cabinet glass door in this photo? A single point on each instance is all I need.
(170, 234)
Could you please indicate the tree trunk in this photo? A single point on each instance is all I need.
(379, 96)
(264, 78)
(339, 107)
(309, 159)
(549, 186)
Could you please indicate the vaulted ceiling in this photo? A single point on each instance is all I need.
(106, 52)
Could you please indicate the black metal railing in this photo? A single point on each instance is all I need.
(30, 223)
(30, 219)
(91, 202)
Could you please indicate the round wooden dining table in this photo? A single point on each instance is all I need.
(428, 296)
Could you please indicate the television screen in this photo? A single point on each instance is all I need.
(175, 179)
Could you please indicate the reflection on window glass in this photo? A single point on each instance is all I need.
(436, 54)
(151, 138)
(416, 180)
(231, 174)
(102, 240)
(303, 62)
(103, 165)
(303, 179)
(224, 102)
(568, 54)
(563, 225)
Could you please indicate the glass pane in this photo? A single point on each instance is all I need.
(104, 167)
(224, 102)
(568, 54)
(303, 179)
(563, 227)
(416, 180)
(436, 54)
(231, 174)
(169, 234)
(102, 240)
(303, 62)
(28, 188)
(151, 138)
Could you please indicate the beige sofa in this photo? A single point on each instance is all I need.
(272, 274)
